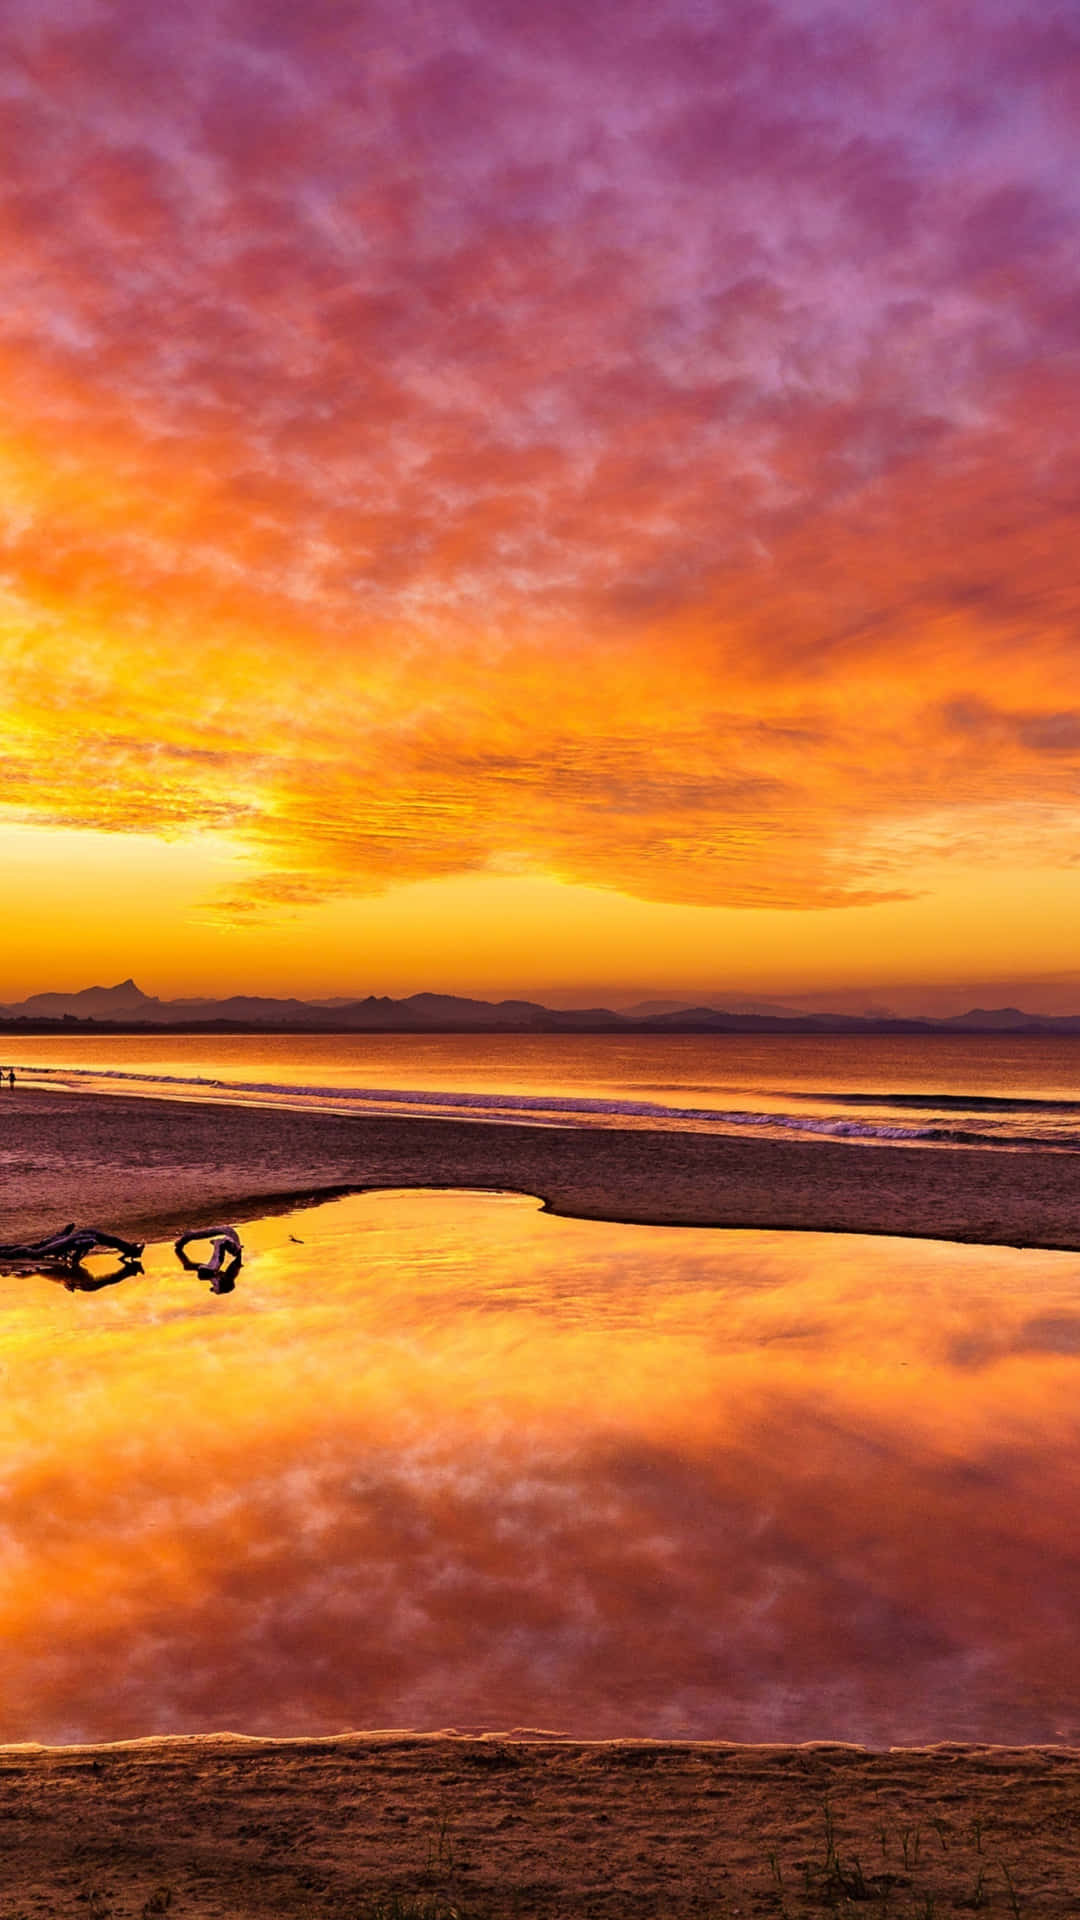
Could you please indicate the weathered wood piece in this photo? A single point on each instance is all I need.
(69, 1246)
(224, 1261)
(226, 1245)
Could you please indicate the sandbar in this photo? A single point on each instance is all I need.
(151, 1167)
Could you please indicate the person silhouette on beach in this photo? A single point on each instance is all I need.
(11, 1076)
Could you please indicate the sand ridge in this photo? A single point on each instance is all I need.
(151, 1168)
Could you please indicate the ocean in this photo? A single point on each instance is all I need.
(932, 1091)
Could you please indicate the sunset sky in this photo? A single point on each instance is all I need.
(539, 498)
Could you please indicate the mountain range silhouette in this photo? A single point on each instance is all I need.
(126, 1007)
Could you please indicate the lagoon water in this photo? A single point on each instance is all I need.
(444, 1460)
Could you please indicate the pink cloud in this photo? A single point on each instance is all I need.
(745, 343)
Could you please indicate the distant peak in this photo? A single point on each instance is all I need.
(125, 993)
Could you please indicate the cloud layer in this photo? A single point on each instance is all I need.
(635, 447)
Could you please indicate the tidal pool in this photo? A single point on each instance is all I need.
(444, 1460)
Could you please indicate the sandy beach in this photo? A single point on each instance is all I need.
(426, 1828)
(151, 1167)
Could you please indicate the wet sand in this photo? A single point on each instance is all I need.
(150, 1167)
(410, 1828)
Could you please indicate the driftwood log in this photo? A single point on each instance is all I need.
(223, 1263)
(68, 1247)
(226, 1246)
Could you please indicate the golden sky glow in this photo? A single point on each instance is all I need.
(500, 500)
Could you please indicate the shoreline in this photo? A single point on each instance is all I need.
(150, 1168)
(423, 1827)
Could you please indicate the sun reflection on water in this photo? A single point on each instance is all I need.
(442, 1459)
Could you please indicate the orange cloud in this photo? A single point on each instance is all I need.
(410, 471)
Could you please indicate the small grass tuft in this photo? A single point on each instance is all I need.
(1014, 1904)
(410, 1906)
(441, 1857)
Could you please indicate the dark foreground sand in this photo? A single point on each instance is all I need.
(406, 1828)
(152, 1167)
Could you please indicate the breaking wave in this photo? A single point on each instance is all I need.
(569, 1110)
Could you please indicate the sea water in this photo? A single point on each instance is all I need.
(936, 1090)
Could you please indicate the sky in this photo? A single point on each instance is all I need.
(528, 498)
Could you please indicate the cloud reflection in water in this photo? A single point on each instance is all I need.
(451, 1461)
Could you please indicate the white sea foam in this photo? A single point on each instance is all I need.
(936, 1124)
